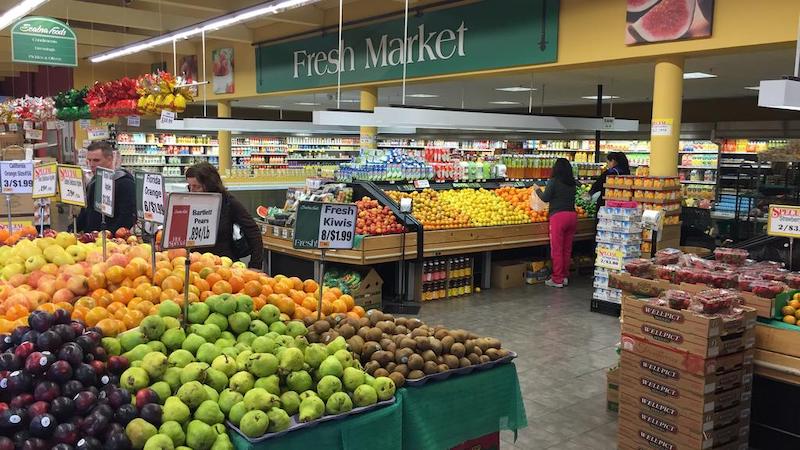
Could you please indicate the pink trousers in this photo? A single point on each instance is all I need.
(562, 231)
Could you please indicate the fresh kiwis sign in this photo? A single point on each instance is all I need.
(477, 36)
(45, 41)
(325, 225)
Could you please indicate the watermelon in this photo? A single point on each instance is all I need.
(262, 212)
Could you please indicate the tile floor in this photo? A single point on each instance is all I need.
(563, 350)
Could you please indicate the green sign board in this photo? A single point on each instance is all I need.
(489, 34)
(45, 41)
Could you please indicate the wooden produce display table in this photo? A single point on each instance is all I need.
(777, 354)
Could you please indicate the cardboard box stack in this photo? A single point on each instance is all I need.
(685, 377)
(619, 235)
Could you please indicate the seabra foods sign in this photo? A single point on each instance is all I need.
(477, 36)
(43, 40)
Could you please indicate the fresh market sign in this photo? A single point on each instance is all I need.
(478, 36)
(45, 41)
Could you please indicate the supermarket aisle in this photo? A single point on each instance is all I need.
(563, 352)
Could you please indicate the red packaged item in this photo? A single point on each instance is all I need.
(746, 281)
(639, 267)
(735, 256)
(725, 280)
(793, 280)
(668, 256)
(687, 275)
(715, 300)
(768, 289)
(694, 261)
(677, 299)
(775, 275)
(668, 273)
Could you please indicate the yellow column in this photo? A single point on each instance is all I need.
(369, 99)
(224, 111)
(666, 123)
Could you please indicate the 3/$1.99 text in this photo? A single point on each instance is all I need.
(17, 183)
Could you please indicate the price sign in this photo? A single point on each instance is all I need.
(27, 125)
(35, 135)
(167, 117)
(609, 259)
(16, 177)
(134, 121)
(13, 127)
(83, 123)
(97, 133)
(104, 192)
(784, 221)
(45, 180)
(70, 184)
(16, 225)
(325, 225)
(192, 220)
(421, 184)
(150, 196)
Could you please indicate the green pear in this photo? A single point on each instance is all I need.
(296, 328)
(175, 410)
(133, 379)
(112, 346)
(157, 346)
(172, 377)
(385, 388)
(262, 364)
(192, 394)
(159, 442)
(254, 423)
(139, 432)
(277, 327)
(309, 393)
(291, 360)
(228, 398)
(258, 327)
(223, 343)
(299, 381)
(222, 442)
(241, 359)
(331, 366)
(168, 308)
(230, 351)
(137, 353)
(225, 364)
(130, 339)
(337, 344)
(244, 303)
(237, 411)
(327, 386)
(180, 358)
(241, 382)
(365, 395)
(194, 371)
(212, 393)
(344, 357)
(216, 379)
(264, 344)
(258, 398)
(270, 383)
(163, 390)
(353, 378)
(192, 343)
(278, 420)
(173, 338)
(198, 312)
(170, 323)
(152, 327)
(207, 352)
(290, 402)
(209, 412)
(155, 364)
(301, 343)
(312, 408)
(217, 319)
(315, 354)
(200, 435)
(338, 402)
(239, 322)
(269, 314)
(246, 337)
(175, 432)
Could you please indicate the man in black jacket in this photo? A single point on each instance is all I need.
(101, 154)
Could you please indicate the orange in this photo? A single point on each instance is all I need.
(205, 294)
(282, 287)
(96, 282)
(202, 285)
(266, 290)
(161, 275)
(348, 300)
(197, 266)
(141, 279)
(327, 307)
(173, 282)
(297, 283)
(205, 272)
(115, 274)
(4, 234)
(359, 311)
(132, 318)
(221, 287)
(252, 288)
(339, 306)
(258, 303)
(95, 315)
(123, 295)
(286, 306)
(16, 312)
(86, 302)
(224, 272)
(336, 291)
(297, 296)
(213, 278)
(108, 327)
(310, 286)
(65, 306)
(250, 275)
(328, 296)
(300, 313)
(237, 283)
(310, 303)
(114, 307)
(168, 294)
(144, 307)
(353, 315)
(78, 313)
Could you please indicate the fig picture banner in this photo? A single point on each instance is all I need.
(222, 60)
(668, 20)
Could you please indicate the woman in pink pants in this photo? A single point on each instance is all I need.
(560, 195)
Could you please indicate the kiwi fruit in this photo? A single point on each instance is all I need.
(430, 367)
(451, 361)
(440, 333)
(485, 359)
(494, 343)
(402, 354)
(328, 336)
(428, 355)
(374, 334)
(356, 343)
(391, 366)
(419, 332)
(415, 362)
(459, 335)
(331, 321)
(422, 343)
(407, 342)
(385, 342)
(503, 352)
(398, 378)
(477, 350)
(391, 346)
(402, 369)
(400, 321)
(347, 331)
(370, 348)
(415, 375)
(383, 357)
(371, 367)
(458, 349)
(440, 359)
(474, 359)
(313, 337)
(375, 317)
(436, 345)
(363, 322)
(412, 324)
(492, 353)
(388, 317)
(321, 326)
(464, 362)
(309, 320)
(363, 332)
(381, 373)
(447, 343)
(443, 367)
(386, 326)
(401, 329)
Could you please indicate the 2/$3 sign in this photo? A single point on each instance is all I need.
(477, 36)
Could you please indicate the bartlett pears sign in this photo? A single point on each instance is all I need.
(45, 41)
(489, 34)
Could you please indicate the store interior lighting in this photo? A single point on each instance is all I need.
(752, 88)
(504, 102)
(422, 95)
(780, 94)
(605, 97)
(270, 126)
(515, 89)
(697, 75)
(18, 11)
(208, 26)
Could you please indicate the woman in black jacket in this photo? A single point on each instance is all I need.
(560, 196)
(203, 177)
(617, 164)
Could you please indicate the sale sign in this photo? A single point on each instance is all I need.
(784, 221)
(325, 225)
(192, 220)
(16, 177)
(104, 192)
(150, 196)
(45, 180)
(70, 184)
(609, 259)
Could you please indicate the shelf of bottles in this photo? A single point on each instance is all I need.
(698, 168)
(169, 154)
(447, 277)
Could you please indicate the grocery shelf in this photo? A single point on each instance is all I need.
(155, 165)
(161, 144)
(322, 150)
(318, 159)
(166, 154)
(268, 154)
(698, 153)
(232, 186)
(698, 182)
(258, 145)
(698, 167)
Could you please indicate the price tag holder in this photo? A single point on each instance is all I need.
(16, 177)
(83, 123)
(192, 220)
(134, 121)
(104, 192)
(784, 220)
(421, 184)
(325, 225)
(97, 133)
(609, 259)
(167, 117)
(27, 125)
(13, 127)
(45, 180)
(34, 135)
(70, 185)
(150, 196)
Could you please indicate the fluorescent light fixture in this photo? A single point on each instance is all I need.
(271, 126)
(504, 102)
(307, 104)
(19, 10)
(349, 100)
(515, 89)
(270, 106)
(752, 88)
(780, 94)
(697, 75)
(422, 95)
(605, 97)
(208, 26)
(433, 106)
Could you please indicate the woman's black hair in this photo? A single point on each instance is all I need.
(622, 162)
(208, 176)
(562, 171)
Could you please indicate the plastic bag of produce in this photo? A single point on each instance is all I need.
(537, 204)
